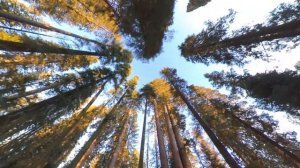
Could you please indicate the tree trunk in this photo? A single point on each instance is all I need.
(116, 15)
(34, 91)
(141, 159)
(31, 32)
(208, 150)
(41, 48)
(35, 119)
(38, 111)
(222, 149)
(86, 154)
(147, 160)
(174, 148)
(43, 26)
(194, 146)
(289, 156)
(160, 138)
(285, 30)
(182, 151)
(121, 138)
(95, 135)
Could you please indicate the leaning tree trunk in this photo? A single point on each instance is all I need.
(95, 135)
(32, 118)
(174, 147)
(86, 155)
(121, 138)
(182, 151)
(34, 91)
(43, 26)
(67, 146)
(208, 150)
(31, 32)
(219, 145)
(18, 120)
(41, 48)
(160, 138)
(141, 159)
(285, 30)
(286, 154)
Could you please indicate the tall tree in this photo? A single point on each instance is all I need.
(179, 84)
(208, 150)
(27, 21)
(121, 138)
(216, 45)
(228, 124)
(161, 144)
(269, 88)
(36, 125)
(175, 121)
(172, 140)
(96, 135)
(88, 15)
(141, 158)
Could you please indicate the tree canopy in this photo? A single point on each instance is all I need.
(68, 97)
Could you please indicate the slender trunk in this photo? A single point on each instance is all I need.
(35, 119)
(41, 48)
(121, 138)
(95, 135)
(141, 159)
(156, 152)
(289, 156)
(43, 26)
(208, 150)
(147, 160)
(222, 149)
(39, 110)
(34, 91)
(160, 138)
(116, 15)
(173, 144)
(31, 32)
(86, 154)
(194, 146)
(182, 151)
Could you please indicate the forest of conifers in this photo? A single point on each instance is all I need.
(68, 99)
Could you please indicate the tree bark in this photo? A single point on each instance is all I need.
(174, 148)
(43, 26)
(41, 48)
(34, 91)
(160, 138)
(208, 150)
(31, 32)
(95, 135)
(286, 30)
(219, 145)
(86, 154)
(182, 151)
(121, 138)
(141, 159)
(289, 156)
(36, 117)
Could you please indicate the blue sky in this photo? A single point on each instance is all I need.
(184, 24)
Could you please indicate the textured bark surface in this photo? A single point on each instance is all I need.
(160, 139)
